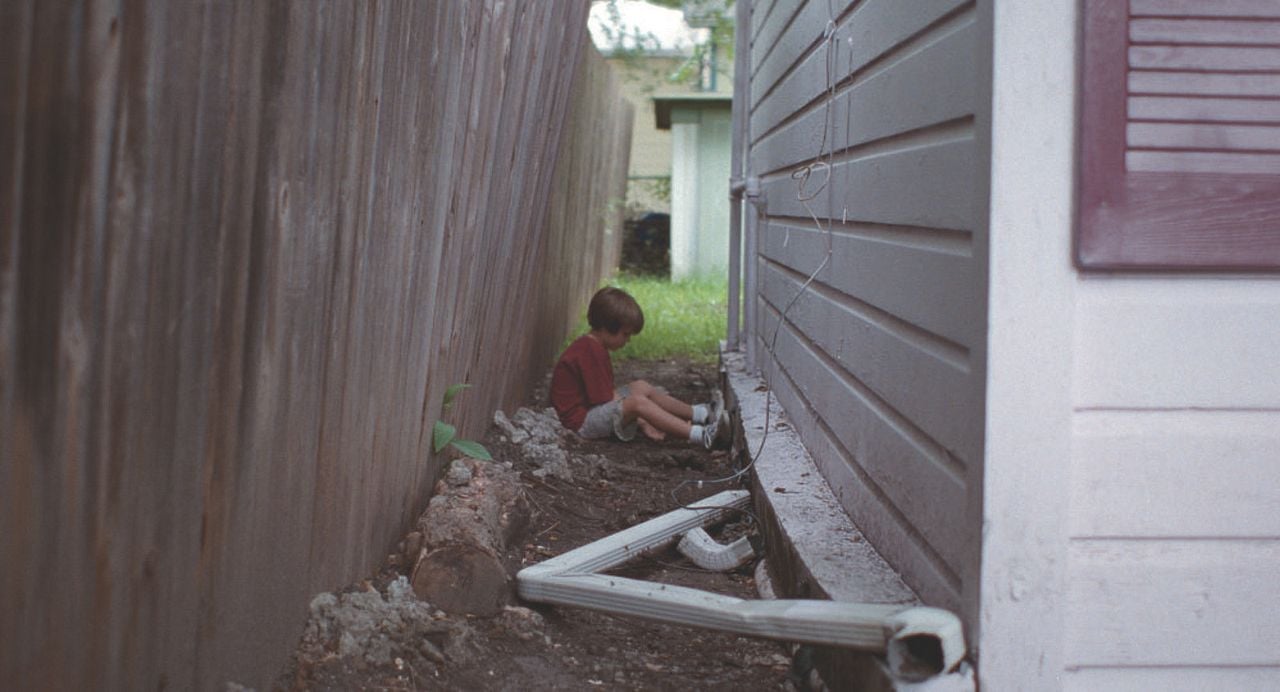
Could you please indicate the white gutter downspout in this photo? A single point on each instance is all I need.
(920, 642)
(755, 203)
(737, 181)
(742, 184)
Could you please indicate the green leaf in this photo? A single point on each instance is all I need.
(450, 394)
(473, 449)
(442, 435)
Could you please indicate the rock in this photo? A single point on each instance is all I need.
(366, 630)
(459, 474)
(516, 435)
(551, 460)
(764, 582)
(412, 547)
(542, 427)
(432, 652)
(521, 622)
(594, 465)
(463, 645)
(399, 591)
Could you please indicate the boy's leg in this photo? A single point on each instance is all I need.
(639, 406)
(668, 403)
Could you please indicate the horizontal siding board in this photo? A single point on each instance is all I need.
(1172, 679)
(761, 11)
(1204, 58)
(932, 393)
(1202, 474)
(807, 31)
(1203, 136)
(1192, 8)
(906, 471)
(770, 33)
(1173, 603)
(930, 289)
(1219, 31)
(1224, 355)
(1204, 84)
(929, 86)
(875, 28)
(885, 527)
(1229, 163)
(1190, 108)
(927, 186)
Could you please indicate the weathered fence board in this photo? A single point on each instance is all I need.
(244, 248)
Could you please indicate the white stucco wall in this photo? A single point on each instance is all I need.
(684, 197)
(1132, 478)
(700, 141)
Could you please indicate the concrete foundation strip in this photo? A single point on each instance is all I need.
(919, 642)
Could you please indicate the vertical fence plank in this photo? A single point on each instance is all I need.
(244, 248)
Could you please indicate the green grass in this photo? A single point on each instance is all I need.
(683, 318)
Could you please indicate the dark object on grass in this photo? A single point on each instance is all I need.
(646, 245)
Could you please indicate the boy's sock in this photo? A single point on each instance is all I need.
(696, 434)
(701, 413)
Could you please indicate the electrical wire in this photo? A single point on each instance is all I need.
(802, 176)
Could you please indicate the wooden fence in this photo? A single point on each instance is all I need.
(244, 248)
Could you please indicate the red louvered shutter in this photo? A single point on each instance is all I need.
(1180, 135)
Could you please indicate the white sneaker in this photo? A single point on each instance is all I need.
(709, 434)
(716, 407)
(716, 434)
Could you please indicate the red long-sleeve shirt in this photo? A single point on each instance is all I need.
(583, 378)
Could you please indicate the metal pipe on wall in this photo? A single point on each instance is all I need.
(750, 243)
(741, 108)
(745, 186)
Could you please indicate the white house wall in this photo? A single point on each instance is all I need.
(880, 361)
(1175, 482)
(684, 197)
(1132, 475)
(712, 256)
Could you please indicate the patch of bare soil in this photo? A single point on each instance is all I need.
(377, 635)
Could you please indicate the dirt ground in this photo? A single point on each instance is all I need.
(405, 644)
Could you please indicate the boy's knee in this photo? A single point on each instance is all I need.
(636, 404)
(640, 387)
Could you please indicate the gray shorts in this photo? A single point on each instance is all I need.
(606, 419)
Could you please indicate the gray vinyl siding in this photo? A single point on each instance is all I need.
(880, 361)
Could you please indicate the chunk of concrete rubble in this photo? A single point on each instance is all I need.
(539, 439)
(542, 426)
(551, 460)
(521, 622)
(515, 434)
(366, 629)
(459, 473)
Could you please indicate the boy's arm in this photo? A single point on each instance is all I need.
(599, 384)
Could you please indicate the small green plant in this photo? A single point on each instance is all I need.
(445, 435)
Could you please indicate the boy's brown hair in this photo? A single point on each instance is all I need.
(613, 309)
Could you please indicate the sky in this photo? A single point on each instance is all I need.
(665, 25)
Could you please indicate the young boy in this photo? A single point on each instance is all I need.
(582, 389)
